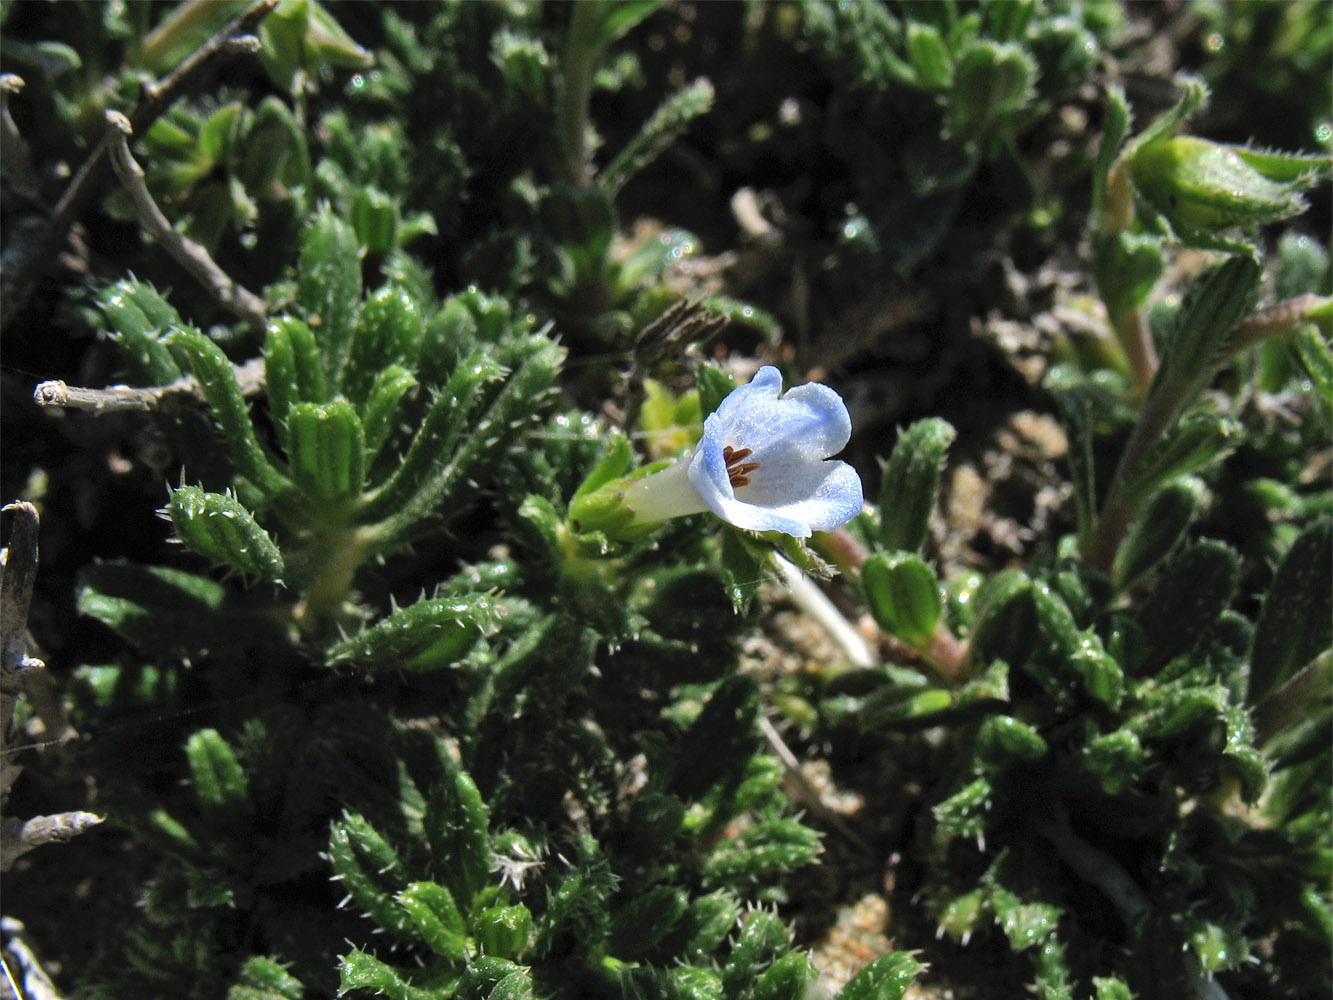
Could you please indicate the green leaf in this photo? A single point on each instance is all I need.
(646, 920)
(990, 81)
(1111, 989)
(715, 385)
(372, 874)
(1115, 127)
(138, 320)
(929, 55)
(388, 330)
(328, 289)
(709, 921)
(1214, 303)
(293, 370)
(1003, 739)
(219, 528)
(326, 454)
(218, 780)
(383, 412)
(744, 568)
(1156, 530)
(762, 936)
(436, 918)
(262, 978)
(1194, 443)
(904, 596)
(503, 931)
(359, 971)
(1296, 622)
(669, 121)
(1073, 396)
(433, 633)
(772, 846)
(1191, 592)
(158, 610)
(791, 977)
(217, 378)
(1114, 759)
(886, 978)
(458, 830)
(1005, 619)
(910, 483)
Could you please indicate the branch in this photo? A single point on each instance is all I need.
(18, 837)
(17, 578)
(189, 254)
(157, 97)
(23, 972)
(123, 397)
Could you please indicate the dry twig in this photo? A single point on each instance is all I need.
(185, 251)
(158, 96)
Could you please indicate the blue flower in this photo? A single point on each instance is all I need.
(762, 463)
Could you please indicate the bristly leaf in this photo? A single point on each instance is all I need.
(886, 978)
(1213, 305)
(1296, 623)
(293, 370)
(139, 320)
(206, 362)
(714, 386)
(1191, 591)
(326, 454)
(671, 119)
(328, 289)
(904, 596)
(911, 480)
(220, 529)
(371, 871)
(428, 635)
(1156, 530)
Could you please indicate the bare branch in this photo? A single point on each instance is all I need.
(18, 837)
(185, 251)
(17, 578)
(157, 97)
(118, 398)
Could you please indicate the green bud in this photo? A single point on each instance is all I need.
(221, 530)
(326, 451)
(1002, 740)
(138, 320)
(1202, 185)
(428, 635)
(371, 872)
(503, 931)
(904, 596)
(886, 978)
(910, 483)
(436, 918)
(1156, 530)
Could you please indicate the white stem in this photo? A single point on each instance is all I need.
(813, 602)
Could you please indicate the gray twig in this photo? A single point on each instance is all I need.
(18, 837)
(185, 251)
(157, 97)
(23, 972)
(124, 397)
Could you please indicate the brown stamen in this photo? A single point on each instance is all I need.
(738, 471)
